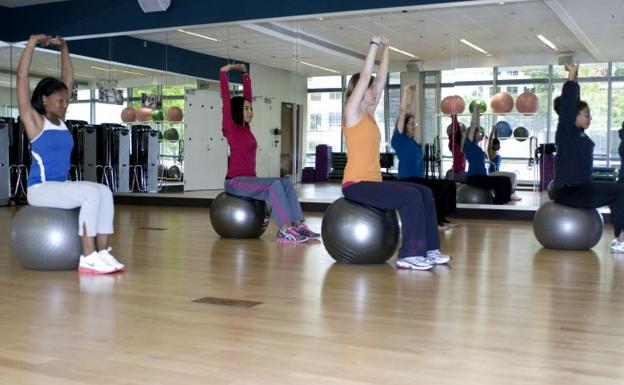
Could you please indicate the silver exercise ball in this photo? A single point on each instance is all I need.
(567, 228)
(550, 189)
(238, 217)
(44, 238)
(474, 195)
(355, 233)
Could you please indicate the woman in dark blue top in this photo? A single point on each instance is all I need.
(477, 175)
(573, 185)
(410, 154)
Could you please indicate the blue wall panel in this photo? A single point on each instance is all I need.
(129, 50)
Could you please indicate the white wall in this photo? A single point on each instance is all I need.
(280, 86)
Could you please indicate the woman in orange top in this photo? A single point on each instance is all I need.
(362, 181)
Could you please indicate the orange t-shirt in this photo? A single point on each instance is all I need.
(363, 141)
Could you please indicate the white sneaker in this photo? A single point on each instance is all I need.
(107, 257)
(414, 263)
(93, 264)
(617, 246)
(437, 258)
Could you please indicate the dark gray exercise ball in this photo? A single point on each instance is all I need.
(567, 228)
(44, 238)
(238, 217)
(174, 172)
(359, 234)
(474, 195)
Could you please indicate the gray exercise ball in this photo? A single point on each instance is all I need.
(567, 228)
(474, 195)
(238, 217)
(550, 189)
(359, 234)
(44, 238)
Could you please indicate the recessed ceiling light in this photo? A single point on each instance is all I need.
(198, 35)
(474, 46)
(403, 52)
(547, 42)
(320, 18)
(319, 67)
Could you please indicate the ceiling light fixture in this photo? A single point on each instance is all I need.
(131, 73)
(198, 35)
(319, 67)
(547, 42)
(116, 70)
(403, 52)
(75, 74)
(473, 46)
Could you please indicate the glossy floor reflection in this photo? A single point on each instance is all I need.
(505, 312)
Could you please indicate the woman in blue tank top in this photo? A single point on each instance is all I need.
(43, 116)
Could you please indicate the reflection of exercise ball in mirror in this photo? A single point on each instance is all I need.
(174, 172)
(144, 114)
(521, 134)
(128, 114)
(452, 105)
(501, 103)
(171, 134)
(527, 103)
(174, 114)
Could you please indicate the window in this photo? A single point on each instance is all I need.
(468, 75)
(512, 90)
(324, 119)
(334, 119)
(325, 82)
(79, 111)
(315, 122)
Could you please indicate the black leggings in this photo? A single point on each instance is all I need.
(593, 195)
(500, 184)
(444, 193)
(416, 209)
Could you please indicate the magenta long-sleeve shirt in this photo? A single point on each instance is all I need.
(241, 140)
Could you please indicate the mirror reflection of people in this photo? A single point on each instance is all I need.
(573, 185)
(410, 153)
(495, 161)
(43, 115)
(477, 174)
(241, 180)
(362, 182)
(458, 170)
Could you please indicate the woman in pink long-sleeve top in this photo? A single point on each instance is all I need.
(241, 179)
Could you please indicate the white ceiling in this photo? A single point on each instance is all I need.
(507, 31)
(46, 63)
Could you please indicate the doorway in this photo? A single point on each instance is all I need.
(290, 153)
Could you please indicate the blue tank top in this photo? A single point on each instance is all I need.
(51, 154)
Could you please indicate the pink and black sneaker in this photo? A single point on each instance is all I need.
(290, 235)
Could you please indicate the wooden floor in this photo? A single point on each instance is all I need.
(505, 312)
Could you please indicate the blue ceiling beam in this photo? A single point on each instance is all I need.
(82, 18)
